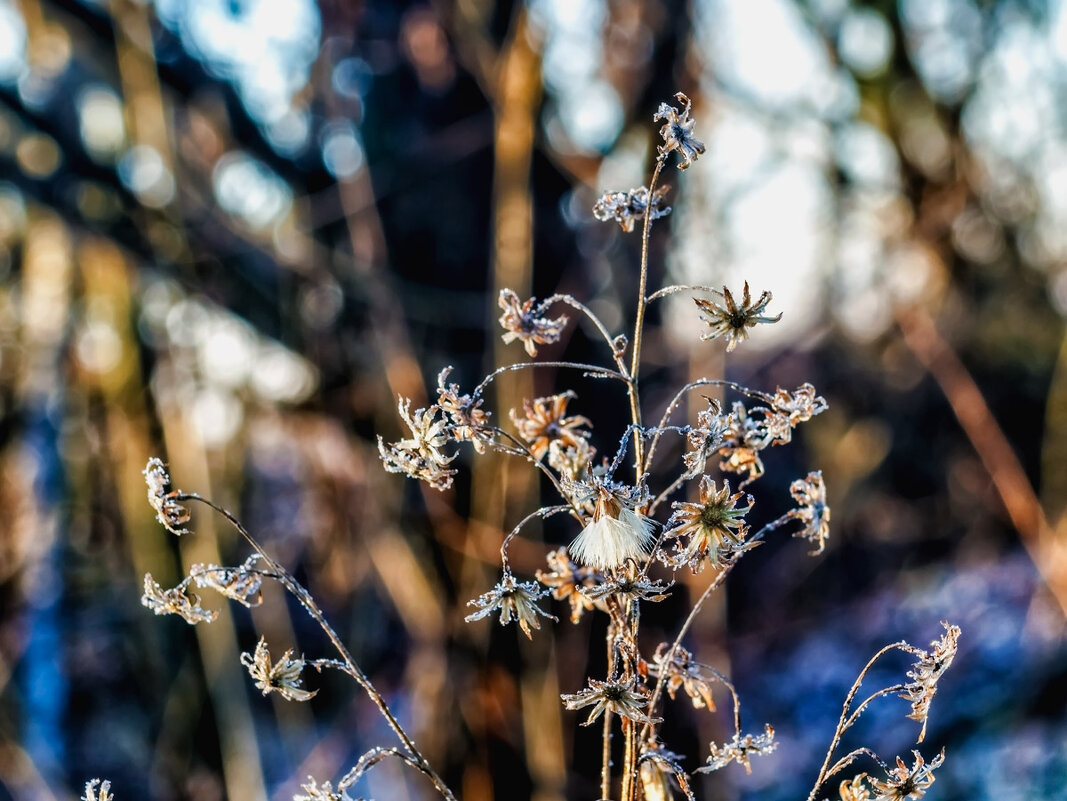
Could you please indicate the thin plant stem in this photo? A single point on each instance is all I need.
(574, 303)
(714, 585)
(639, 321)
(844, 721)
(675, 288)
(351, 666)
(542, 513)
(596, 371)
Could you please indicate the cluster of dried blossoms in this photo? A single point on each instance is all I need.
(618, 535)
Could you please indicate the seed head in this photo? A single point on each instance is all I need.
(623, 698)
(628, 208)
(171, 514)
(616, 532)
(175, 601)
(545, 421)
(813, 511)
(515, 601)
(903, 782)
(732, 319)
(282, 677)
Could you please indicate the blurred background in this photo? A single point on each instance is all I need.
(232, 232)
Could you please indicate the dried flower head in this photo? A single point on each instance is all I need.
(813, 511)
(681, 670)
(710, 531)
(175, 601)
(571, 461)
(524, 322)
(470, 423)
(740, 749)
(799, 406)
(91, 793)
(903, 782)
(624, 698)
(616, 532)
(242, 584)
(545, 421)
(171, 514)
(733, 319)
(567, 580)
(420, 455)
(515, 601)
(855, 789)
(705, 437)
(658, 767)
(628, 585)
(628, 208)
(927, 671)
(677, 132)
(314, 792)
(282, 677)
(744, 436)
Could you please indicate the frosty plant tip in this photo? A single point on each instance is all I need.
(664, 496)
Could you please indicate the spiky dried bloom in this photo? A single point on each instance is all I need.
(544, 421)
(91, 793)
(813, 511)
(566, 580)
(171, 514)
(677, 132)
(624, 698)
(515, 601)
(705, 437)
(799, 406)
(711, 531)
(616, 532)
(242, 584)
(314, 792)
(628, 208)
(524, 322)
(927, 671)
(681, 670)
(420, 455)
(175, 601)
(282, 677)
(855, 789)
(903, 782)
(572, 462)
(732, 319)
(740, 750)
(632, 587)
(470, 423)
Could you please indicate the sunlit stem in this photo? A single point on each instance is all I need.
(714, 585)
(351, 667)
(639, 321)
(847, 719)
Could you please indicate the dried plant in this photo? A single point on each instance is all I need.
(617, 508)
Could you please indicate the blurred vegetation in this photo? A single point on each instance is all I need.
(232, 232)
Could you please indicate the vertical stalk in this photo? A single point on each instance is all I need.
(639, 325)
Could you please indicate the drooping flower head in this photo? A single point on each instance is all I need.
(171, 514)
(524, 322)
(903, 782)
(628, 208)
(927, 671)
(813, 511)
(616, 532)
(677, 132)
